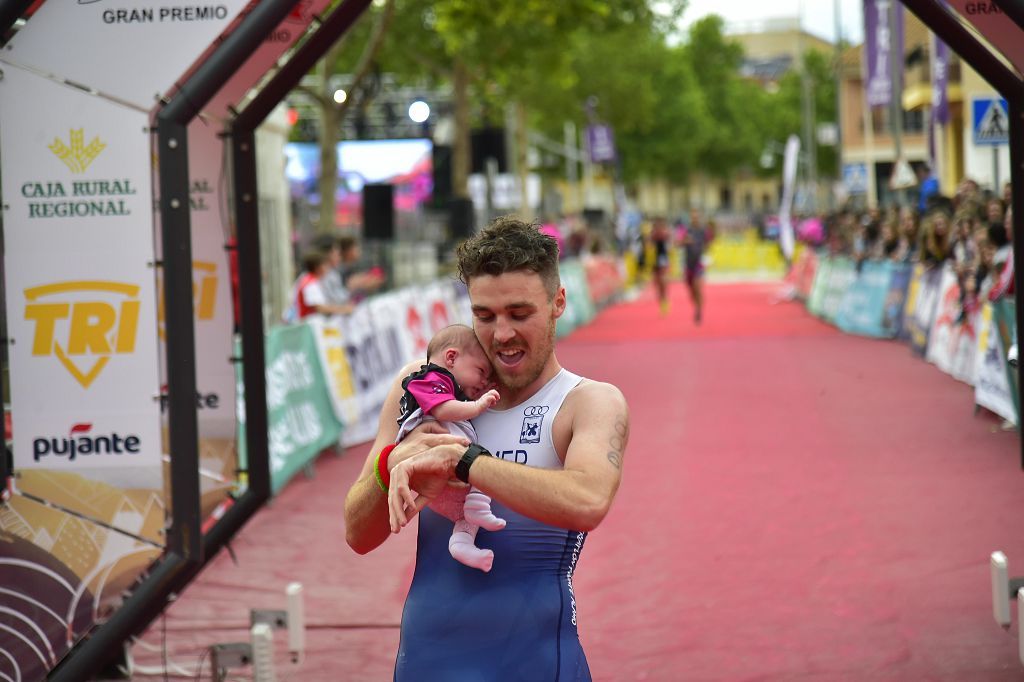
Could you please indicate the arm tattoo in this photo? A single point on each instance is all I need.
(617, 443)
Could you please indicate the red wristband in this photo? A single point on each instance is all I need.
(383, 472)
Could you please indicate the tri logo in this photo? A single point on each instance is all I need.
(204, 294)
(83, 323)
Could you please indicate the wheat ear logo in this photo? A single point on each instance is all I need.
(76, 156)
(102, 320)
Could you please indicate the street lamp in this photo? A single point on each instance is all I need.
(419, 111)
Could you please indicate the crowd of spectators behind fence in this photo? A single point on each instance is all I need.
(972, 231)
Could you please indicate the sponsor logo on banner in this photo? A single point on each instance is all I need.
(204, 295)
(83, 324)
(198, 193)
(76, 156)
(151, 15)
(80, 443)
(49, 198)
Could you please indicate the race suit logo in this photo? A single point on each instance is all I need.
(84, 333)
(76, 155)
(532, 423)
(79, 443)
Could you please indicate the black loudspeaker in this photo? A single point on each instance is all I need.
(489, 143)
(462, 220)
(441, 157)
(378, 212)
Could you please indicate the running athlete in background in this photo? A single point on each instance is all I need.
(454, 392)
(661, 238)
(558, 442)
(695, 238)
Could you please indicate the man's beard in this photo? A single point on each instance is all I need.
(538, 359)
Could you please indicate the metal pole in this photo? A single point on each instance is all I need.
(1015, 104)
(995, 167)
(896, 93)
(572, 176)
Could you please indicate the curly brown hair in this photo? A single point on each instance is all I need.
(510, 244)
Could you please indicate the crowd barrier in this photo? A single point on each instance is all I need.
(327, 378)
(922, 306)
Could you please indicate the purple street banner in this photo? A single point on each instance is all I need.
(940, 80)
(877, 46)
(601, 143)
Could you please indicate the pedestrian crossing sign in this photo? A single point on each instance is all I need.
(991, 121)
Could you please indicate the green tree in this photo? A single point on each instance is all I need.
(734, 139)
(787, 104)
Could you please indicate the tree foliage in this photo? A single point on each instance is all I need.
(676, 109)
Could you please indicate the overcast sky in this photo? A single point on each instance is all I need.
(818, 16)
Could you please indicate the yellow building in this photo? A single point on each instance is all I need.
(870, 150)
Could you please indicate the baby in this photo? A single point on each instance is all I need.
(452, 388)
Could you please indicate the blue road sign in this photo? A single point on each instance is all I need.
(991, 121)
(855, 178)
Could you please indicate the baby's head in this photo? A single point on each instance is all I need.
(457, 349)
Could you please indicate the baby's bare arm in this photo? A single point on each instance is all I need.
(457, 410)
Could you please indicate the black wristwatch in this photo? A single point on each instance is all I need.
(472, 452)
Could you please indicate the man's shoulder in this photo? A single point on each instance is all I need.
(590, 393)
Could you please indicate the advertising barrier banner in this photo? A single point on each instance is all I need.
(862, 306)
(924, 302)
(821, 277)
(952, 342)
(1005, 317)
(579, 307)
(301, 421)
(992, 387)
(841, 276)
(895, 300)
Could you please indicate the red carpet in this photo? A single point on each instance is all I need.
(797, 505)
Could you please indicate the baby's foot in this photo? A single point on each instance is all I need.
(461, 547)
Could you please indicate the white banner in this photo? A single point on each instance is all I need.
(789, 164)
(992, 388)
(331, 335)
(951, 343)
(371, 373)
(211, 276)
(80, 286)
(134, 50)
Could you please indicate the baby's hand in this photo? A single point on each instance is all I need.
(490, 398)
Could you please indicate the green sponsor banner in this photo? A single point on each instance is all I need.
(842, 275)
(1005, 315)
(821, 277)
(301, 419)
(863, 307)
(579, 308)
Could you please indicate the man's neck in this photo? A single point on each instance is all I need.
(511, 398)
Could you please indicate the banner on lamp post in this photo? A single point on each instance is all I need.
(878, 28)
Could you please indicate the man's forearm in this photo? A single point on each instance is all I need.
(366, 516)
(558, 497)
